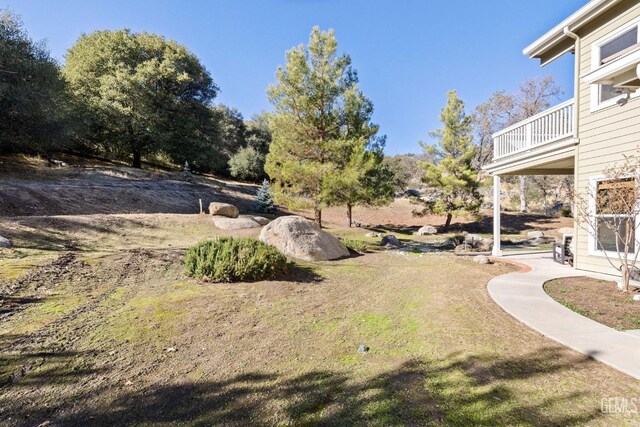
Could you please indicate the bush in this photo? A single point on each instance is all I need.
(229, 259)
(264, 199)
(355, 245)
(247, 164)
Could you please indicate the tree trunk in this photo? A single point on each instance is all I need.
(523, 196)
(447, 223)
(349, 221)
(137, 159)
(318, 216)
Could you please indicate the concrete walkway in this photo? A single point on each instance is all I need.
(522, 296)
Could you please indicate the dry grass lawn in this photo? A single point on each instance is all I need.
(110, 332)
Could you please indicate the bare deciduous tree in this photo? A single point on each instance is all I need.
(609, 210)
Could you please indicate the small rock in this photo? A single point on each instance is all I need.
(620, 285)
(170, 350)
(112, 353)
(483, 245)
(261, 220)
(636, 297)
(390, 241)
(481, 259)
(535, 234)
(224, 223)
(427, 230)
(472, 238)
(223, 209)
(362, 349)
(465, 247)
(374, 234)
(128, 382)
(4, 242)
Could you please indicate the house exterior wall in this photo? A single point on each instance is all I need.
(605, 134)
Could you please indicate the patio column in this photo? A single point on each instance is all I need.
(496, 216)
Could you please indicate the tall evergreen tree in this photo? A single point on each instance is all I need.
(451, 178)
(320, 117)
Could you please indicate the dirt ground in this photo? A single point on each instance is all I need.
(599, 300)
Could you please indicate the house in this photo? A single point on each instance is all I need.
(583, 135)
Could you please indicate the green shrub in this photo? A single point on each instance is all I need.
(230, 259)
(247, 164)
(356, 245)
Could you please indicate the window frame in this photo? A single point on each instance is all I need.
(596, 104)
(593, 249)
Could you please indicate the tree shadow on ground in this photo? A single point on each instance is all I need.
(297, 273)
(457, 390)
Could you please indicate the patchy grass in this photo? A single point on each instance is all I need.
(599, 300)
(145, 345)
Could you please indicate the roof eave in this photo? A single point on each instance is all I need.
(583, 15)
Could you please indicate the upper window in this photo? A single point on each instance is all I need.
(610, 49)
(618, 46)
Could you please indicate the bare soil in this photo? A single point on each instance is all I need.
(599, 300)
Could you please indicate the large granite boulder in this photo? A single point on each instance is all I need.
(535, 234)
(224, 223)
(427, 230)
(300, 238)
(223, 209)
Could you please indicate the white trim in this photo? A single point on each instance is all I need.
(591, 248)
(598, 70)
(583, 15)
(536, 154)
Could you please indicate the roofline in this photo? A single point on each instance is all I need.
(583, 15)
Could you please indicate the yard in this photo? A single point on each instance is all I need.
(110, 331)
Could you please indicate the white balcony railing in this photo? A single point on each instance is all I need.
(546, 127)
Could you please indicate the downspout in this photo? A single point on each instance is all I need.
(576, 127)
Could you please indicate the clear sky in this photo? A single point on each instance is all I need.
(408, 53)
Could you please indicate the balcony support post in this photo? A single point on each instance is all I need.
(496, 216)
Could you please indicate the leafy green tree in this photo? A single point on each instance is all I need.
(264, 198)
(451, 178)
(247, 164)
(144, 95)
(320, 117)
(33, 100)
(258, 134)
(362, 181)
(232, 135)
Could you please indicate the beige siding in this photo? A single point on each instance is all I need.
(607, 134)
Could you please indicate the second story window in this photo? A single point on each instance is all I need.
(625, 40)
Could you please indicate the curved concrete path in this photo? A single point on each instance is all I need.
(521, 295)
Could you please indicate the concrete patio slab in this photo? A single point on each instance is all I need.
(521, 294)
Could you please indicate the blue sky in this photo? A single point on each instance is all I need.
(408, 53)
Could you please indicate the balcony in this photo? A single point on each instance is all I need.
(537, 134)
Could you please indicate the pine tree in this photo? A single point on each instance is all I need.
(451, 178)
(320, 117)
(264, 200)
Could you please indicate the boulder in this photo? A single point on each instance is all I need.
(427, 230)
(541, 240)
(390, 241)
(565, 230)
(4, 242)
(261, 220)
(374, 234)
(483, 245)
(481, 259)
(535, 234)
(223, 209)
(224, 223)
(472, 238)
(300, 238)
(465, 247)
